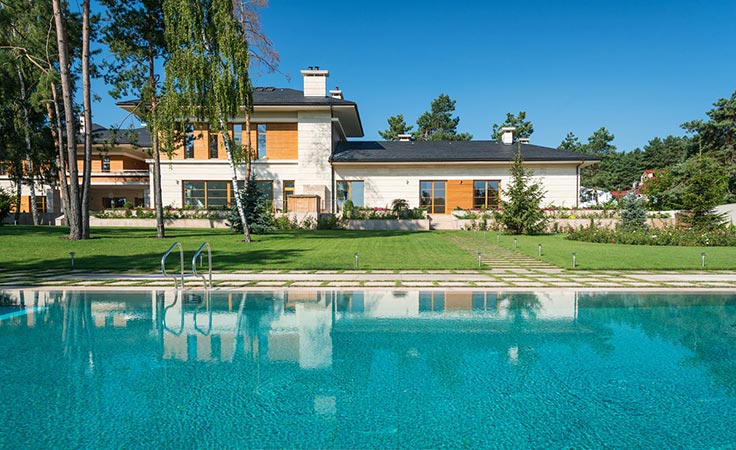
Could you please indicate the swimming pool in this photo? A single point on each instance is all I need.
(358, 369)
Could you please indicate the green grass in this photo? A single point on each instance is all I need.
(558, 251)
(122, 249)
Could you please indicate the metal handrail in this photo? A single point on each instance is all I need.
(181, 257)
(209, 264)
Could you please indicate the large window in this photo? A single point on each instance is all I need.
(288, 190)
(432, 196)
(105, 163)
(188, 141)
(261, 140)
(486, 194)
(218, 194)
(214, 145)
(349, 190)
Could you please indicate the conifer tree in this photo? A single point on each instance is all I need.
(438, 123)
(396, 126)
(524, 128)
(522, 205)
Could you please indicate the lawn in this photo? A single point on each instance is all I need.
(558, 251)
(122, 249)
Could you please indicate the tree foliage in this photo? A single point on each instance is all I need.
(571, 143)
(207, 72)
(521, 211)
(633, 213)
(704, 188)
(524, 128)
(437, 124)
(258, 210)
(396, 126)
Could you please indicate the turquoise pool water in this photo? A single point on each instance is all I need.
(367, 369)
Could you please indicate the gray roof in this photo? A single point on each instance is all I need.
(345, 110)
(140, 137)
(449, 151)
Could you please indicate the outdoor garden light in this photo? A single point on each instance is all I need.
(514, 243)
(479, 260)
(72, 255)
(356, 260)
(539, 247)
(702, 259)
(498, 238)
(574, 259)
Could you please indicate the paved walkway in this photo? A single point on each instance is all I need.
(501, 277)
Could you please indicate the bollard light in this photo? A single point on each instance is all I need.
(539, 247)
(479, 260)
(498, 238)
(702, 260)
(574, 260)
(356, 260)
(514, 243)
(72, 256)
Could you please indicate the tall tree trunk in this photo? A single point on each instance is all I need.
(236, 188)
(58, 132)
(87, 99)
(248, 148)
(73, 214)
(28, 168)
(153, 127)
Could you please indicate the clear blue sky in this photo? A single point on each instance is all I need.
(639, 68)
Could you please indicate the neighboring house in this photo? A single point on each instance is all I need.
(303, 146)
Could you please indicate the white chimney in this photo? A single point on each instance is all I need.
(315, 82)
(507, 135)
(525, 140)
(336, 93)
(403, 137)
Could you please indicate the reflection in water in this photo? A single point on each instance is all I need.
(372, 362)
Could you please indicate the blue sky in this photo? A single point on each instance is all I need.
(639, 68)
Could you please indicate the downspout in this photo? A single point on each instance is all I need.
(333, 198)
(577, 184)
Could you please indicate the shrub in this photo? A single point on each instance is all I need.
(258, 211)
(328, 222)
(522, 213)
(6, 201)
(633, 213)
(666, 236)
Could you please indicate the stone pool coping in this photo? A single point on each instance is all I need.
(511, 278)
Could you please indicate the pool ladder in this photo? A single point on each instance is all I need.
(206, 280)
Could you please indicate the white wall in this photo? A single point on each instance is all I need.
(315, 148)
(384, 183)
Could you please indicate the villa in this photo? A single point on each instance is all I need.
(306, 155)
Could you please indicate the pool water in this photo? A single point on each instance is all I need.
(367, 369)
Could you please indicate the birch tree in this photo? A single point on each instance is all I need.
(207, 74)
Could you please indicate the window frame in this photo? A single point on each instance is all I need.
(216, 138)
(188, 141)
(431, 207)
(285, 192)
(350, 196)
(261, 147)
(485, 196)
(105, 164)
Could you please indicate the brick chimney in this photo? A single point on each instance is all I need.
(315, 82)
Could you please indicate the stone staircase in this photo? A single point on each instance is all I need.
(444, 222)
(501, 258)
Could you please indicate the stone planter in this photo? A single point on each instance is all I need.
(151, 223)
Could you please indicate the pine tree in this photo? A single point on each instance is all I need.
(633, 213)
(438, 123)
(396, 126)
(571, 143)
(522, 206)
(705, 187)
(524, 128)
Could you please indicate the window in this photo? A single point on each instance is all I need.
(432, 196)
(217, 194)
(349, 190)
(113, 202)
(105, 163)
(431, 302)
(188, 141)
(3, 169)
(214, 145)
(261, 140)
(485, 194)
(288, 190)
(238, 135)
(41, 203)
